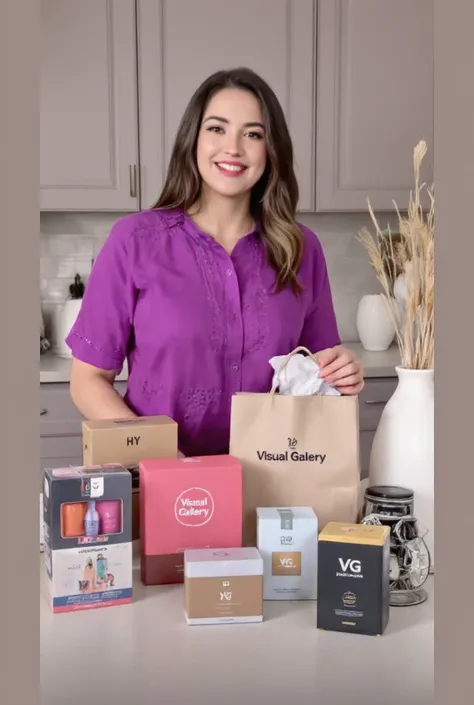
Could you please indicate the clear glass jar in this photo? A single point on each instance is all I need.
(390, 502)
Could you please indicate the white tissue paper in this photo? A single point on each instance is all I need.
(299, 377)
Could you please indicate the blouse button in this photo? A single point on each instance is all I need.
(235, 368)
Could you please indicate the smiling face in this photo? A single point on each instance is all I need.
(231, 146)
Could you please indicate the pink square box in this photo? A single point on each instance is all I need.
(187, 503)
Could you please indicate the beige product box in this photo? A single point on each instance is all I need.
(287, 539)
(223, 586)
(126, 442)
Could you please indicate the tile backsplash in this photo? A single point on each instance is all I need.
(71, 241)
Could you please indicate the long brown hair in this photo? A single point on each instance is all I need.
(274, 197)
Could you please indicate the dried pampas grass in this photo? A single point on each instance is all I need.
(414, 255)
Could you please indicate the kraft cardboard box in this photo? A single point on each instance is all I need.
(87, 519)
(354, 578)
(287, 538)
(223, 586)
(127, 441)
(187, 503)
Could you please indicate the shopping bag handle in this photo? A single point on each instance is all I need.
(300, 348)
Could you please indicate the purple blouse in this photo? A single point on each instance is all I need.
(195, 324)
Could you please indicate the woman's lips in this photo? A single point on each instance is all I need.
(230, 168)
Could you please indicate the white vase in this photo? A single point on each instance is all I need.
(374, 323)
(403, 448)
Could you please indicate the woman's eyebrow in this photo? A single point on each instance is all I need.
(226, 121)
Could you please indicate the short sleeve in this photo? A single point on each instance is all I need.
(320, 329)
(102, 331)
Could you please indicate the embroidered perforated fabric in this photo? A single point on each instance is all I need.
(195, 324)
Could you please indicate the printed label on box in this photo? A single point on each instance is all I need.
(286, 563)
(84, 576)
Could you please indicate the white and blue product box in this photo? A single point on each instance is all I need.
(87, 520)
(287, 539)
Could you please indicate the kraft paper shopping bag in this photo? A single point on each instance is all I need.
(297, 451)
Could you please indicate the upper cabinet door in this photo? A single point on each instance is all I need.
(374, 101)
(88, 120)
(181, 42)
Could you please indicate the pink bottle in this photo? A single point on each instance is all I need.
(110, 516)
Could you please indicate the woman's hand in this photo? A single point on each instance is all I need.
(340, 368)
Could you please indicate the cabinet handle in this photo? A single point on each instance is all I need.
(43, 412)
(374, 401)
(133, 180)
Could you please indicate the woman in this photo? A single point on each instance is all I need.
(199, 292)
(101, 574)
(89, 576)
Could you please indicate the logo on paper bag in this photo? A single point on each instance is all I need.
(194, 507)
(291, 454)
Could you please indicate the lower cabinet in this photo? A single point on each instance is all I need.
(61, 433)
(60, 427)
(366, 440)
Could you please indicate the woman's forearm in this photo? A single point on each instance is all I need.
(96, 398)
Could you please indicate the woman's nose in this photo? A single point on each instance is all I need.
(233, 145)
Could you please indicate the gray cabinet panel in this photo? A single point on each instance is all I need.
(60, 427)
(374, 101)
(372, 400)
(88, 105)
(58, 415)
(181, 42)
(366, 440)
(61, 446)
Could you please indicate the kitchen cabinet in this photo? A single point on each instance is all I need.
(181, 42)
(88, 106)
(374, 101)
(60, 427)
(354, 77)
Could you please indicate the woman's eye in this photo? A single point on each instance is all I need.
(255, 135)
(215, 128)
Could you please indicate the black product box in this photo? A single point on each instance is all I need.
(353, 578)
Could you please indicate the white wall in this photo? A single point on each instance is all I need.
(69, 241)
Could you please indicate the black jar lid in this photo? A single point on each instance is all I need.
(389, 492)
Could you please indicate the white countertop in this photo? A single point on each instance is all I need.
(58, 369)
(376, 364)
(146, 653)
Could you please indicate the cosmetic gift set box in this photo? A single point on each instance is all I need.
(87, 519)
